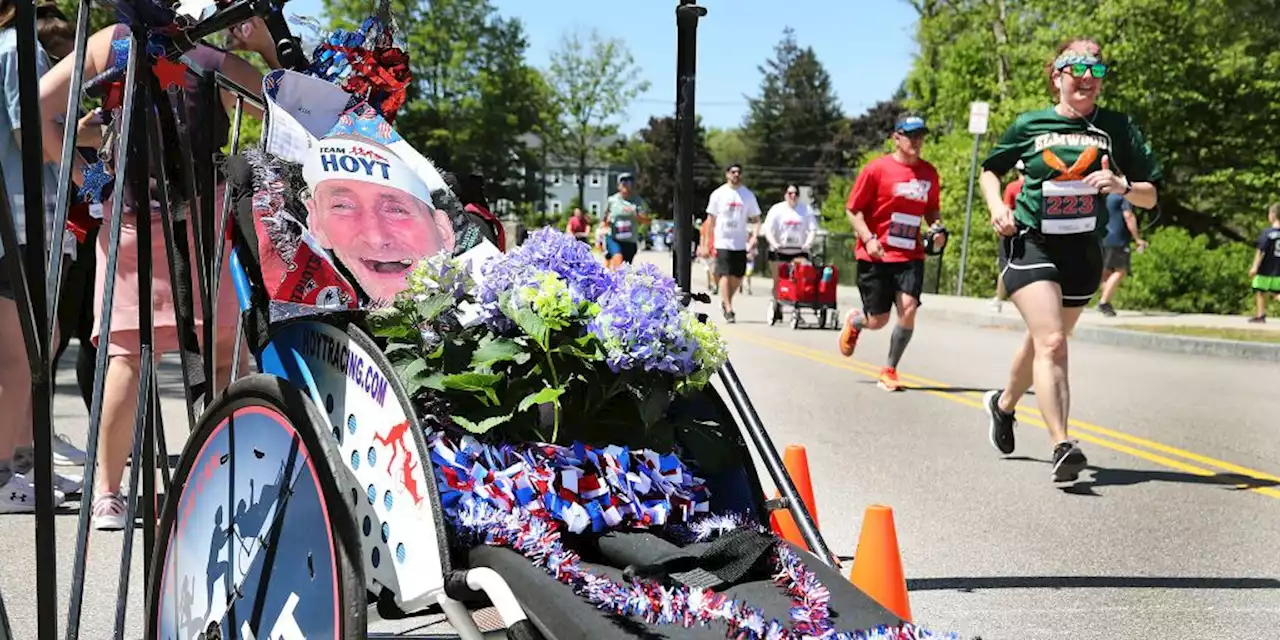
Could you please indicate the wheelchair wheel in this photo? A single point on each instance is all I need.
(255, 539)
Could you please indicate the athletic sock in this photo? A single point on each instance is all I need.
(898, 344)
(859, 320)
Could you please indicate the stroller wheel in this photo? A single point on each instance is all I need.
(775, 312)
(822, 318)
(795, 319)
(835, 318)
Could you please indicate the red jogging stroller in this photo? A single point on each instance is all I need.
(800, 286)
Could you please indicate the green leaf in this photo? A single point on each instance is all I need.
(431, 307)
(532, 325)
(484, 426)
(496, 350)
(475, 382)
(548, 394)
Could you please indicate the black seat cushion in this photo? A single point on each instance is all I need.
(561, 615)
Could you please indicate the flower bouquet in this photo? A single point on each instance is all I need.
(545, 344)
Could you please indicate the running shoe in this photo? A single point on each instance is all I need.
(1068, 461)
(1001, 423)
(18, 496)
(729, 315)
(66, 485)
(1258, 320)
(889, 379)
(66, 454)
(849, 334)
(109, 512)
(1106, 309)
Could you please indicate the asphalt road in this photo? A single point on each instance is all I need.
(1171, 533)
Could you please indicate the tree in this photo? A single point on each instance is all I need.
(727, 146)
(591, 83)
(656, 179)
(473, 99)
(793, 121)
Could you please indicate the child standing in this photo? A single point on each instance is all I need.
(1266, 265)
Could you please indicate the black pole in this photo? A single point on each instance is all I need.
(687, 15)
(764, 446)
(41, 396)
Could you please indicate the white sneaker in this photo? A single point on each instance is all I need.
(65, 453)
(66, 485)
(18, 496)
(109, 512)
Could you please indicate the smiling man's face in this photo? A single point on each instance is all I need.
(378, 232)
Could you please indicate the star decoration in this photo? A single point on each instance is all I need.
(170, 73)
(95, 179)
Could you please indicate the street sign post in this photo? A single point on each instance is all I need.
(978, 112)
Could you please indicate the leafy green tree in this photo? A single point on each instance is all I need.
(726, 145)
(474, 98)
(792, 122)
(656, 180)
(592, 81)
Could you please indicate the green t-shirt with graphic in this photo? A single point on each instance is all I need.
(621, 215)
(1058, 152)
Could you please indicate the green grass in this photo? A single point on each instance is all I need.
(1243, 335)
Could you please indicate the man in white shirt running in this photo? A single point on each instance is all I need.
(733, 217)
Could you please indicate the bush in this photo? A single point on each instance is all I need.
(1181, 273)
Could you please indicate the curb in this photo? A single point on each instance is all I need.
(1237, 349)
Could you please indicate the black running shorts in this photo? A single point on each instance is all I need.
(880, 282)
(1072, 261)
(731, 263)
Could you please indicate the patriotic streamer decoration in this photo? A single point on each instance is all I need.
(522, 497)
(366, 63)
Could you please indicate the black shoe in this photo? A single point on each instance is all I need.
(1258, 320)
(1106, 309)
(1001, 423)
(729, 316)
(1068, 462)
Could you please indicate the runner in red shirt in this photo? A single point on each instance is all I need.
(890, 203)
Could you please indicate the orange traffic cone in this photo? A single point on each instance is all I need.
(877, 565)
(796, 460)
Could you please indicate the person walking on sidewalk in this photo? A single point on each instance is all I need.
(887, 206)
(1266, 265)
(1075, 154)
(1122, 228)
(733, 219)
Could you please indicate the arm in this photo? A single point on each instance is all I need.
(770, 220)
(1131, 221)
(242, 73)
(55, 88)
(1257, 263)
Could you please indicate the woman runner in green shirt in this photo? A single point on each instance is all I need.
(1075, 153)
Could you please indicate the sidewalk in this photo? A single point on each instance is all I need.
(1093, 326)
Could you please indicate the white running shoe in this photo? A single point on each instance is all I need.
(65, 453)
(109, 512)
(66, 485)
(18, 496)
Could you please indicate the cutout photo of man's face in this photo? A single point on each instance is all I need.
(378, 232)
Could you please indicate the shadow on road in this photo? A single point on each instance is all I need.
(1113, 477)
(1087, 582)
(943, 389)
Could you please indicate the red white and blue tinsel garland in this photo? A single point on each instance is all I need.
(523, 497)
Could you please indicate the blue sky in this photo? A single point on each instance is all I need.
(866, 45)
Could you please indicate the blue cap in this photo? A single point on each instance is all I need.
(907, 124)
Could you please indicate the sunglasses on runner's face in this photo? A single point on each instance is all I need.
(1078, 69)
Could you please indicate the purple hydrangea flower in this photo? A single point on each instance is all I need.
(546, 249)
(640, 324)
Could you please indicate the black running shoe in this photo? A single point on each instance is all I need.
(1068, 462)
(1001, 422)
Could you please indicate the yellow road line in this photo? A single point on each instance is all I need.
(1034, 419)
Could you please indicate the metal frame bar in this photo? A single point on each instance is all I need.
(687, 15)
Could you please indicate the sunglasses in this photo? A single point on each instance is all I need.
(1078, 69)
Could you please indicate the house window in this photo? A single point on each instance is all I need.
(555, 207)
(504, 205)
(555, 178)
(595, 178)
(595, 207)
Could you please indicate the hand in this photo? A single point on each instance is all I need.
(874, 249)
(939, 235)
(1104, 180)
(1002, 221)
(251, 35)
(1253, 272)
(1142, 245)
(89, 130)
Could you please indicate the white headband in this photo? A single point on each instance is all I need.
(337, 159)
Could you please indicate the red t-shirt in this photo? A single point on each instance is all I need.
(893, 198)
(1011, 192)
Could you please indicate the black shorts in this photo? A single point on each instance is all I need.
(880, 282)
(1115, 258)
(787, 255)
(731, 263)
(6, 283)
(1074, 262)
